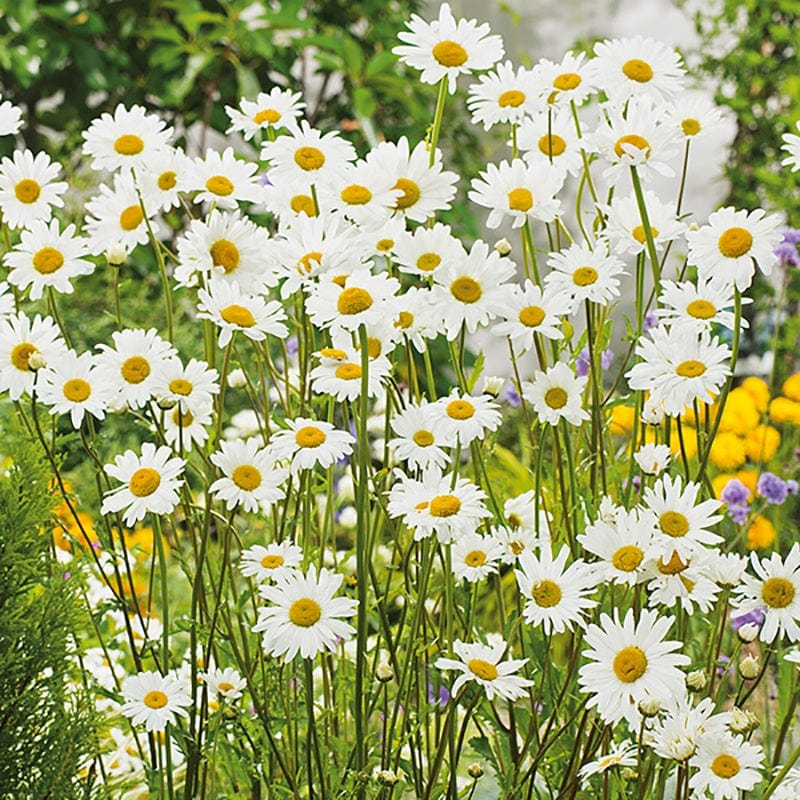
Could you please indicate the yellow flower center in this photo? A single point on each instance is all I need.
(304, 263)
(27, 190)
(135, 369)
(309, 158)
(725, 766)
(627, 558)
(333, 352)
(268, 115)
(246, 477)
(238, 315)
(552, 144)
(423, 438)
(305, 612)
(144, 482)
(181, 386)
(385, 245)
(167, 180)
(466, 289)
(47, 260)
(129, 144)
(674, 566)
(690, 127)
(225, 686)
(701, 309)
(637, 70)
(584, 276)
(640, 234)
(131, 218)
(735, 242)
(225, 254)
(630, 664)
(155, 699)
(183, 419)
(428, 262)
(556, 397)
(309, 436)
(353, 301)
(405, 319)
(272, 561)
(460, 409)
(444, 505)
(546, 594)
(219, 185)
(356, 195)
(475, 558)
(674, 524)
(513, 98)
(303, 204)
(567, 81)
(449, 54)
(520, 199)
(348, 372)
(516, 547)
(777, 592)
(410, 194)
(482, 669)
(690, 369)
(76, 390)
(531, 316)
(634, 140)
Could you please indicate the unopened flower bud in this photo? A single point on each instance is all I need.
(749, 668)
(165, 403)
(492, 384)
(116, 255)
(696, 680)
(36, 361)
(236, 379)
(384, 673)
(387, 778)
(682, 749)
(649, 706)
(748, 633)
(502, 247)
(742, 721)
(475, 770)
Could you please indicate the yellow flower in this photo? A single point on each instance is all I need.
(741, 413)
(749, 477)
(622, 420)
(727, 451)
(719, 482)
(689, 441)
(791, 387)
(782, 409)
(762, 443)
(758, 389)
(761, 533)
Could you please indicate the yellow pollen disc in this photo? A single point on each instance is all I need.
(475, 558)
(690, 127)
(556, 397)
(552, 144)
(374, 347)
(356, 195)
(238, 315)
(155, 699)
(135, 369)
(520, 199)
(672, 567)
(353, 301)
(304, 264)
(167, 180)
(513, 98)
(449, 54)
(640, 234)
(567, 81)
(183, 419)
(627, 558)
(27, 190)
(690, 369)
(129, 144)
(482, 669)
(701, 309)
(131, 218)
(144, 482)
(309, 436)
(423, 438)
(180, 386)
(531, 316)
(514, 521)
(348, 372)
(272, 561)
(333, 352)
(268, 115)
(546, 594)
(777, 592)
(385, 245)
(305, 612)
(673, 523)
(76, 390)
(460, 409)
(410, 192)
(516, 547)
(309, 158)
(637, 70)
(584, 276)
(630, 664)
(634, 140)
(225, 686)
(735, 242)
(725, 766)
(225, 254)
(445, 505)
(404, 320)
(246, 477)
(303, 203)
(428, 262)
(466, 289)
(47, 260)
(219, 185)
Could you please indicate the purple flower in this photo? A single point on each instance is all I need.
(772, 488)
(791, 486)
(754, 617)
(509, 393)
(650, 321)
(292, 345)
(438, 697)
(735, 492)
(738, 512)
(582, 361)
(787, 249)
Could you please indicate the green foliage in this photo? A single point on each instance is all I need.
(46, 729)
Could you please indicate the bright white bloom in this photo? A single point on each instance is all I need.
(791, 145)
(278, 109)
(530, 310)
(585, 274)
(694, 116)
(266, 563)
(192, 386)
(621, 754)
(726, 765)
(160, 178)
(361, 193)
(557, 394)
(675, 734)
(698, 306)
(362, 299)
(672, 579)
(653, 459)
(155, 699)
(308, 443)
(419, 438)
(418, 319)
(426, 250)
(20, 339)
(466, 417)
(549, 138)
(626, 232)
(481, 663)
(10, 118)
(221, 179)
(27, 189)
(565, 82)
(339, 373)
(225, 683)
(504, 95)
(475, 556)
(183, 428)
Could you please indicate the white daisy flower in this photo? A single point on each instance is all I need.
(556, 394)
(700, 306)
(530, 310)
(21, 338)
(426, 250)
(309, 443)
(10, 118)
(791, 145)
(183, 429)
(150, 483)
(290, 200)
(695, 116)
(625, 231)
(361, 193)
(549, 137)
(221, 179)
(672, 580)
(28, 191)
(160, 178)
(447, 48)
(339, 373)
(417, 318)
(513, 542)
(519, 513)
(266, 563)
(419, 438)
(505, 95)
(482, 664)
(304, 616)
(466, 417)
(653, 459)
(726, 765)
(620, 754)
(192, 386)
(155, 699)
(565, 82)
(225, 683)
(380, 242)
(584, 274)
(674, 734)
(475, 557)
(280, 108)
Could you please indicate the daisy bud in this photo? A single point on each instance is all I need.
(748, 633)
(649, 706)
(387, 778)
(36, 362)
(116, 255)
(503, 247)
(492, 384)
(696, 680)
(165, 403)
(693, 226)
(682, 749)
(568, 327)
(237, 379)
(475, 770)
(384, 673)
(742, 721)
(749, 668)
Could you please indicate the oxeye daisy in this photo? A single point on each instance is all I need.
(250, 478)
(361, 193)
(556, 394)
(513, 542)
(417, 319)
(630, 661)
(27, 190)
(620, 754)
(694, 116)
(775, 589)
(652, 459)
(47, 257)
(160, 178)
(550, 138)
(672, 580)
(475, 556)
(150, 483)
(225, 684)
(221, 179)
(426, 250)
(699, 306)
(733, 242)
(584, 274)
(10, 118)
(791, 145)
(465, 417)
(290, 200)
(265, 563)
(304, 616)
(183, 429)
(505, 95)
(556, 595)
(128, 138)
(339, 373)
(419, 438)
(308, 443)
(279, 108)
(565, 82)
(192, 386)
(676, 733)
(482, 664)
(726, 765)
(519, 514)
(625, 231)
(529, 311)
(446, 48)
(155, 699)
